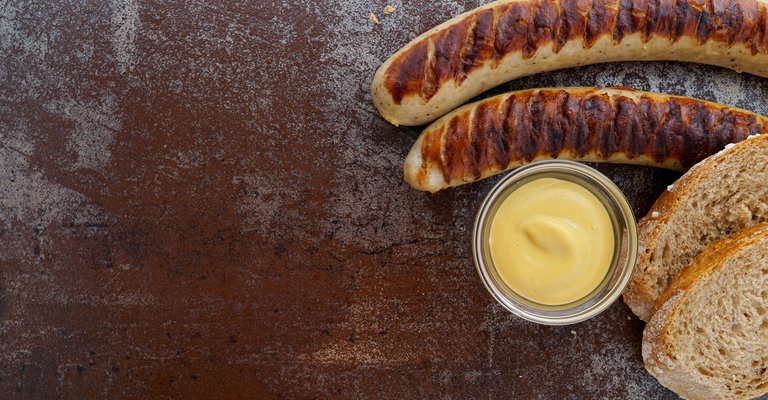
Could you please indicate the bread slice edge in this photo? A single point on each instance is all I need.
(655, 336)
(639, 294)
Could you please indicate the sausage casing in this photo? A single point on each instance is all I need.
(504, 40)
(617, 125)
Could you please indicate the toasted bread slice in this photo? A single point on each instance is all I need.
(722, 194)
(708, 336)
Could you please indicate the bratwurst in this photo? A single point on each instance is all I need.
(618, 125)
(508, 39)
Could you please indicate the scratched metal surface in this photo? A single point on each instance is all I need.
(198, 200)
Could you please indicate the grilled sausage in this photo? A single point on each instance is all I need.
(504, 40)
(617, 125)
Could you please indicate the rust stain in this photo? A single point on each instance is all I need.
(198, 200)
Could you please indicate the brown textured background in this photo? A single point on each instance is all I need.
(198, 200)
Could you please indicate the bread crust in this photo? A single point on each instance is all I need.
(619, 125)
(659, 360)
(638, 294)
(508, 39)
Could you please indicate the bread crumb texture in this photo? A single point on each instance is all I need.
(716, 198)
(709, 337)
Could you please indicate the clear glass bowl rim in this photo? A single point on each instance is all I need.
(586, 175)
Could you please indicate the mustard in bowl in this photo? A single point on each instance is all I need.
(555, 242)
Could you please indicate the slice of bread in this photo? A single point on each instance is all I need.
(708, 336)
(720, 195)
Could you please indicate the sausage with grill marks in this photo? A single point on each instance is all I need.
(619, 125)
(508, 39)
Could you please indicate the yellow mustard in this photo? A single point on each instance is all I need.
(551, 241)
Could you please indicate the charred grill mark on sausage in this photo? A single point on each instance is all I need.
(519, 127)
(490, 34)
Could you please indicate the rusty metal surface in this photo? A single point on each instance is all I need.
(198, 200)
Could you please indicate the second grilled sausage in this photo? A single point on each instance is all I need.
(585, 124)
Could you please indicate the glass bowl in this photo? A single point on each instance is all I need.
(624, 253)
